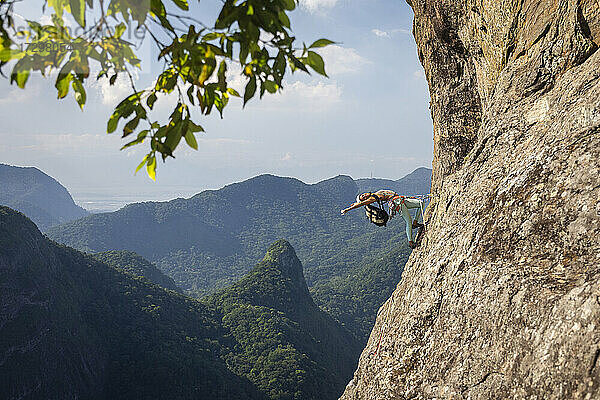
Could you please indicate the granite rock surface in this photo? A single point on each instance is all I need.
(502, 298)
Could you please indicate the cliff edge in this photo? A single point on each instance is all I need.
(502, 299)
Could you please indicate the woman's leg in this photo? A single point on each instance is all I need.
(418, 204)
(407, 219)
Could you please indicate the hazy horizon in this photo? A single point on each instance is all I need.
(105, 199)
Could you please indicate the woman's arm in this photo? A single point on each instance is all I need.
(360, 204)
(383, 195)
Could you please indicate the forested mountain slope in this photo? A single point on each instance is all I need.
(74, 327)
(288, 347)
(354, 298)
(134, 264)
(210, 239)
(37, 195)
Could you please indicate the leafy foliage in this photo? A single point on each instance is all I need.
(254, 34)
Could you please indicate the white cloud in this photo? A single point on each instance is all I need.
(286, 157)
(112, 95)
(46, 20)
(223, 141)
(388, 34)
(308, 96)
(380, 33)
(315, 6)
(18, 95)
(342, 60)
(64, 143)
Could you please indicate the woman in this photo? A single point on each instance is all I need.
(395, 203)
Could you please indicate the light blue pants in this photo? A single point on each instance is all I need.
(403, 205)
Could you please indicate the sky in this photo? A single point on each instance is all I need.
(370, 117)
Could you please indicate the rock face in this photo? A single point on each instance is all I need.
(502, 299)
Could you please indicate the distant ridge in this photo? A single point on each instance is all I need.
(209, 240)
(37, 195)
(417, 182)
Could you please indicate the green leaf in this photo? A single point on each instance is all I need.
(158, 8)
(140, 139)
(271, 86)
(142, 163)
(130, 126)
(62, 84)
(298, 64)
(192, 127)
(284, 19)
(120, 29)
(233, 92)
(250, 90)
(190, 139)
(151, 168)
(21, 78)
(316, 62)
(289, 4)
(113, 121)
(321, 43)
(190, 94)
(78, 11)
(80, 95)
(151, 100)
(183, 4)
(222, 77)
(7, 54)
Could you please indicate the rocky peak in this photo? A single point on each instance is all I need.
(282, 257)
(275, 282)
(502, 295)
(281, 274)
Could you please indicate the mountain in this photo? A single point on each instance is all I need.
(415, 183)
(302, 353)
(37, 195)
(501, 300)
(209, 240)
(134, 264)
(73, 327)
